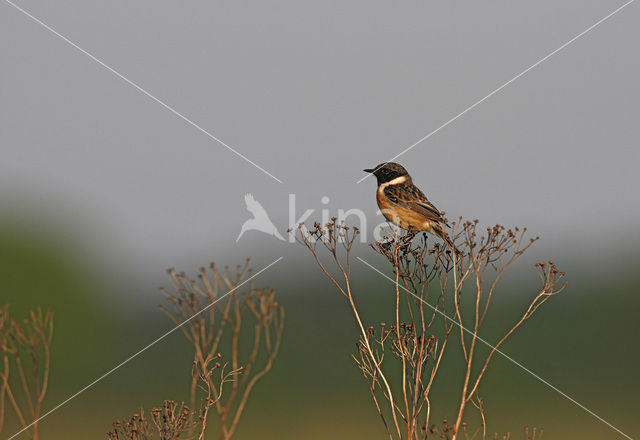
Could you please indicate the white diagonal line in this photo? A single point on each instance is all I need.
(64, 402)
(501, 352)
(136, 86)
(428, 135)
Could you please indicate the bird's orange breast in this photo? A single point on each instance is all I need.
(404, 217)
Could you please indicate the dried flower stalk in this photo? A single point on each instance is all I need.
(429, 276)
(24, 375)
(168, 422)
(251, 315)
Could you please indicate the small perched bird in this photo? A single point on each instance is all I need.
(403, 204)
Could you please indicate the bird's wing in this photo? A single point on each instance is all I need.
(248, 199)
(409, 196)
(253, 205)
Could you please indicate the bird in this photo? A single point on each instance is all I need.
(260, 221)
(403, 204)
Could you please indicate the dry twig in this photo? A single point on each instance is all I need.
(25, 348)
(254, 318)
(432, 277)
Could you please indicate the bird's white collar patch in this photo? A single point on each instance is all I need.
(396, 181)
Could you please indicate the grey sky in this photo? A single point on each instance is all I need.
(314, 92)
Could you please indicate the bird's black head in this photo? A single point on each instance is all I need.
(387, 171)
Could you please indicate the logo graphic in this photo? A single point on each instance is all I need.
(260, 221)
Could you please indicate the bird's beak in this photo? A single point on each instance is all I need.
(369, 170)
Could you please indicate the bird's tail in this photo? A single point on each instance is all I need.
(445, 237)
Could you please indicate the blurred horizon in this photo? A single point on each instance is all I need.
(92, 312)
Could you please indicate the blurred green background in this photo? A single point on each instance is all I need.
(582, 342)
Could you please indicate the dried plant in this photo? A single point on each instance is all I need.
(428, 280)
(247, 323)
(26, 354)
(446, 430)
(169, 422)
(173, 421)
